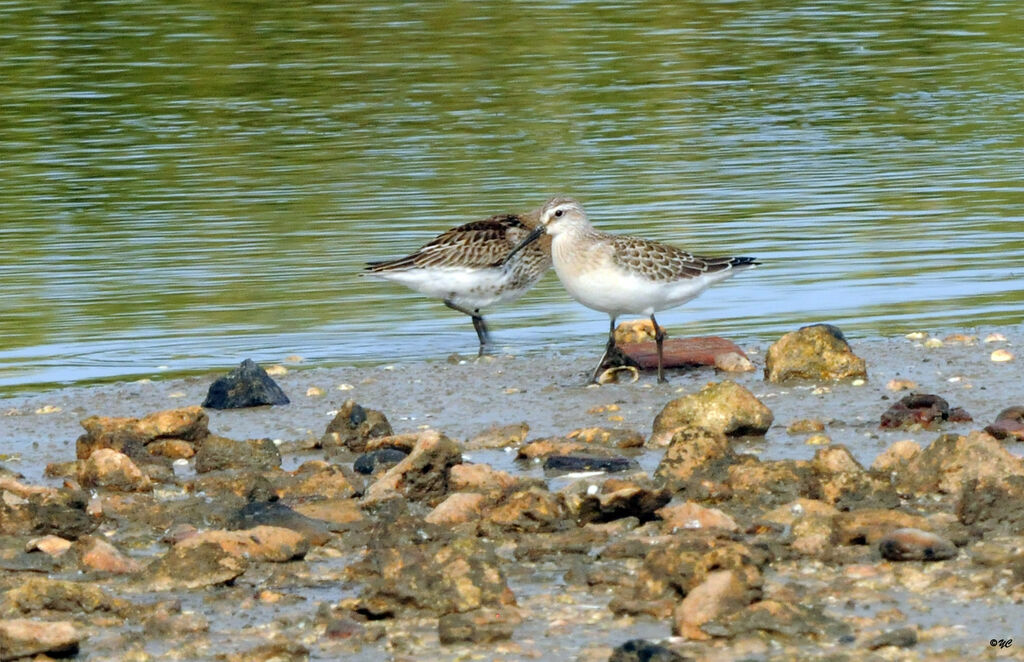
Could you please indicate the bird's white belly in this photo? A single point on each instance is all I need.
(616, 292)
(469, 288)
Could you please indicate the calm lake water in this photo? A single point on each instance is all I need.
(185, 185)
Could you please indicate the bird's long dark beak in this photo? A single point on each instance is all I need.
(530, 238)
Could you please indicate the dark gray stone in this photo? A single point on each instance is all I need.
(641, 650)
(380, 459)
(248, 385)
(586, 463)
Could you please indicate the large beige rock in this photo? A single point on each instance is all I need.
(723, 407)
(424, 475)
(723, 592)
(458, 508)
(818, 352)
(260, 543)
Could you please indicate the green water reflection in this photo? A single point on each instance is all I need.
(188, 184)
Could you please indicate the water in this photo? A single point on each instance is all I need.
(187, 185)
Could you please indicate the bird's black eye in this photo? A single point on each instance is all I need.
(558, 214)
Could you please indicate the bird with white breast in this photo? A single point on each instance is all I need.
(620, 274)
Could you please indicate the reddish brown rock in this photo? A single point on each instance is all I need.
(721, 593)
(1009, 424)
(723, 407)
(98, 554)
(353, 426)
(680, 352)
(112, 470)
(818, 352)
(131, 435)
(921, 410)
(175, 449)
(23, 638)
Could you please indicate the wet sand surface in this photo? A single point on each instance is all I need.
(462, 397)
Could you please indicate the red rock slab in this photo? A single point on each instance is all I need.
(680, 352)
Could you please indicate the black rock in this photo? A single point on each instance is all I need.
(641, 650)
(586, 463)
(380, 459)
(248, 385)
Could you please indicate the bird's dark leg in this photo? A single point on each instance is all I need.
(607, 350)
(659, 339)
(478, 323)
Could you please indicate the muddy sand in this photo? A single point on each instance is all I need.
(569, 587)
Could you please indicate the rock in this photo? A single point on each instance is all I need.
(22, 638)
(634, 331)
(49, 545)
(915, 545)
(330, 511)
(896, 457)
(810, 521)
(780, 619)
(819, 352)
(631, 501)
(531, 510)
(132, 435)
(870, 526)
(403, 442)
(900, 638)
(219, 453)
(721, 593)
(478, 626)
(993, 506)
(572, 463)
(98, 554)
(248, 385)
(951, 461)
(261, 543)
(1009, 424)
(916, 409)
(458, 508)
(724, 407)
(174, 449)
(112, 470)
(681, 352)
(500, 436)
(353, 426)
(457, 576)
(49, 512)
(690, 515)
(480, 478)
(841, 480)
(693, 453)
(538, 448)
(611, 437)
(770, 483)
(805, 426)
(281, 649)
(424, 475)
(276, 514)
(379, 460)
(35, 594)
(187, 567)
(641, 650)
(317, 480)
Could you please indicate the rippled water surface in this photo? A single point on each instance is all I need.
(188, 184)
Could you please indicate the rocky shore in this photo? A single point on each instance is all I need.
(803, 499)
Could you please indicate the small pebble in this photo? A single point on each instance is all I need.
(294, 358)
(916, 335)
(932, 343)
(314, 392)
(961, 339)
(901, 385)
(277, 370)
(858, 382)
(345, 387)
(177, 394)
(48, 409)
(1002, 356)
(818, 440)
(995, 337)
